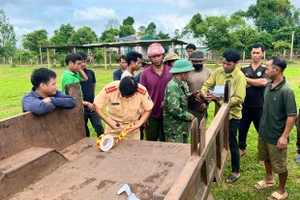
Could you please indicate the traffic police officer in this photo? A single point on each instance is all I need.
(125, 101)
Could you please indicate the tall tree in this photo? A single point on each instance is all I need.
(177, 34)
(31, 41)
(62, 35)
(112, 23)
(128, 21)
(270, 15)
(142, 30)
(7, 36)
(126, 30)
(84, 35)
(161, 36)
(109, 35)
(151, 29)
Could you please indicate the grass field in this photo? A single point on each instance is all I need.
(15, 82)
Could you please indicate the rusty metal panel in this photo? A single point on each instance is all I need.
(147, 167)
(58, 129)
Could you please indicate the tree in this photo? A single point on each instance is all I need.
(194, 27)
(161, 36)
(245, 38)
(142, 30)
(151, 29)
(270, 15)
(112, 23)
(62, 35)
(126, 30)
(109, 35)
(84, 35)
(32, 41)
(7, 36)
(176, 34)
(128, 21)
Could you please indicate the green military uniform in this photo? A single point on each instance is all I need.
(175, 110)
(175, 114)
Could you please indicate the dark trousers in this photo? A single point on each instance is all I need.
(298, 132)
(248, 115)
(155, 130)
(95, 121)
(233, 145)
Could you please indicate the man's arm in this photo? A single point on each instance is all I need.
(283, 140)
(239, 92)
(259, 82)
(83, 75)
(115, 76)
(62, 100)
(36, 106)
(102, 115)
(172, 104)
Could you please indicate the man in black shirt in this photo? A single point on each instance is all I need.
(88, 90)
(253, 104)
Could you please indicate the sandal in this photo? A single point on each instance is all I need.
(263, 184)
(232, 178)
(277, 196)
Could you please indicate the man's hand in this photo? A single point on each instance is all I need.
(162, 104)
(113, 124)
(248, 85)
(282, 142)
(192, 117)
(47, 100)
(217, 101)
(203, 107)
(134, 127)
(146, 124)
(208, 97)
(90, 106)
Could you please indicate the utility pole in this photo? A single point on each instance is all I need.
(292, 45)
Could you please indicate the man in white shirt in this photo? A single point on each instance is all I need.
(133, 60)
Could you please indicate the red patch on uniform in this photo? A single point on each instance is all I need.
(110, 89)
(142, 91)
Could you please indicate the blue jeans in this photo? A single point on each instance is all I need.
(95, 121)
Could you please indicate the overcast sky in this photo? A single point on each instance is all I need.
(168, 15)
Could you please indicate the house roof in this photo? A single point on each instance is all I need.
(119, 44)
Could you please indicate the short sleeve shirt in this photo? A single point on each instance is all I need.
(87, 87)
(254, 95)
(278, 105)
(117, 74)
(121, 109)
(69, 77)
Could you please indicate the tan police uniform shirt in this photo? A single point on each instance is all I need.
(123, 110)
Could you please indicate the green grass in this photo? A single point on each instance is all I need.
(15, 82)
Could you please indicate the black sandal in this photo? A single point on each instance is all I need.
(232, 178)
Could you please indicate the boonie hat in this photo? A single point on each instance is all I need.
(197, 55)
(181, 65)
(171, 56)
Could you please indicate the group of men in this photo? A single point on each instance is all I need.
(170, 92)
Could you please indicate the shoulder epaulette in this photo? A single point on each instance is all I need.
(111, 89)
(142, 91)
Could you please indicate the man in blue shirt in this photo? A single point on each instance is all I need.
(88, 90)
(44, 96)
(121, 60)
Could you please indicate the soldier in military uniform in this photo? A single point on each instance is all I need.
(253, 104)
(125, 100)
(175, 109)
